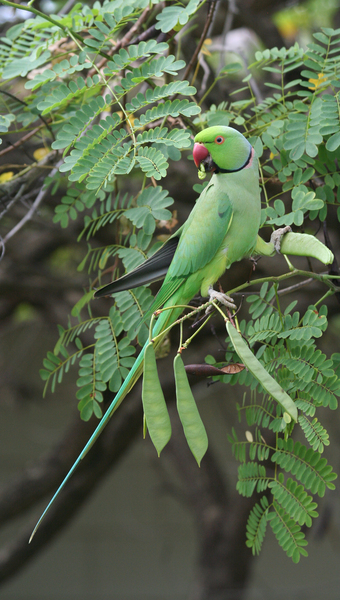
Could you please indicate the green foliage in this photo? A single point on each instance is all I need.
(303, 371)
(25, 48)
(120, 114)
(288, 533)
(91, 388)
(257, 525)
(315, 433)
(306, 465)
(251, 476)
(171, 16)
(295, 501)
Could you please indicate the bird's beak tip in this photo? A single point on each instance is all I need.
(199, 153)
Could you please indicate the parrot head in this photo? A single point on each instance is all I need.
(222, 150)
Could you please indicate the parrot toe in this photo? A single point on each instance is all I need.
(223, 298)
(277, 236)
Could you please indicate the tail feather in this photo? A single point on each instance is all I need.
(165, 319)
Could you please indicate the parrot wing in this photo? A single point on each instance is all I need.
(202, 236)
(153, 269)
(190, 249)
(203, 232)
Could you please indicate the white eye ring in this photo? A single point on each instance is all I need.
(219, 139)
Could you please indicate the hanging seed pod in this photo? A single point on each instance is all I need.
(302, 244)
(194, 429)
(254, 366)
(155, 409)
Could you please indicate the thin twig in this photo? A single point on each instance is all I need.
(148, 34)
(322, 277)
(32, 210)
(126, 39)
(123, 42)
(22, 140)
(232, 10)
(67, 7)
(2, 248)
(202, 39)
(294, 287)
(12, 201)
(283, 292)
(25, 104)
(207, 72)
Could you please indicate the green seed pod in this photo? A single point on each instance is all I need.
(254, 366)
(194, 429)
(302, 244)
(155, 409)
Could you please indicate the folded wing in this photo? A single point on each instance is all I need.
(153, 269)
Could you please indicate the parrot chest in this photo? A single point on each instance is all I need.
(241, 230)
(240, 239)
(221, 229)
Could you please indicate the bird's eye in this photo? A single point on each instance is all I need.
(219, 139)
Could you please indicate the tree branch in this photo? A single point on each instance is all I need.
(32, 209)
(202, 38)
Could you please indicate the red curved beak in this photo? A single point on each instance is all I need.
(199, 153)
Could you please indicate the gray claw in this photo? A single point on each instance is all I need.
(223, 298)
(277, 236)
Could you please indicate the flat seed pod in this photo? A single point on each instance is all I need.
(302, 244)
(193, 427)
(254, 366)
(155, 409)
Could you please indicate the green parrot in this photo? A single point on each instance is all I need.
(221, 229)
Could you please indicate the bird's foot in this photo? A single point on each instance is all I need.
(221, 297)
(276, 237)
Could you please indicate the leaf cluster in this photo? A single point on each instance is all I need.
(285, 344)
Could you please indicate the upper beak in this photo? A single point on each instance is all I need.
(199, 153)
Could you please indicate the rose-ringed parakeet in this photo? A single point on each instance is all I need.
(221, 229)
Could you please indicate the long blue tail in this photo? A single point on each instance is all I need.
(166, 318)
